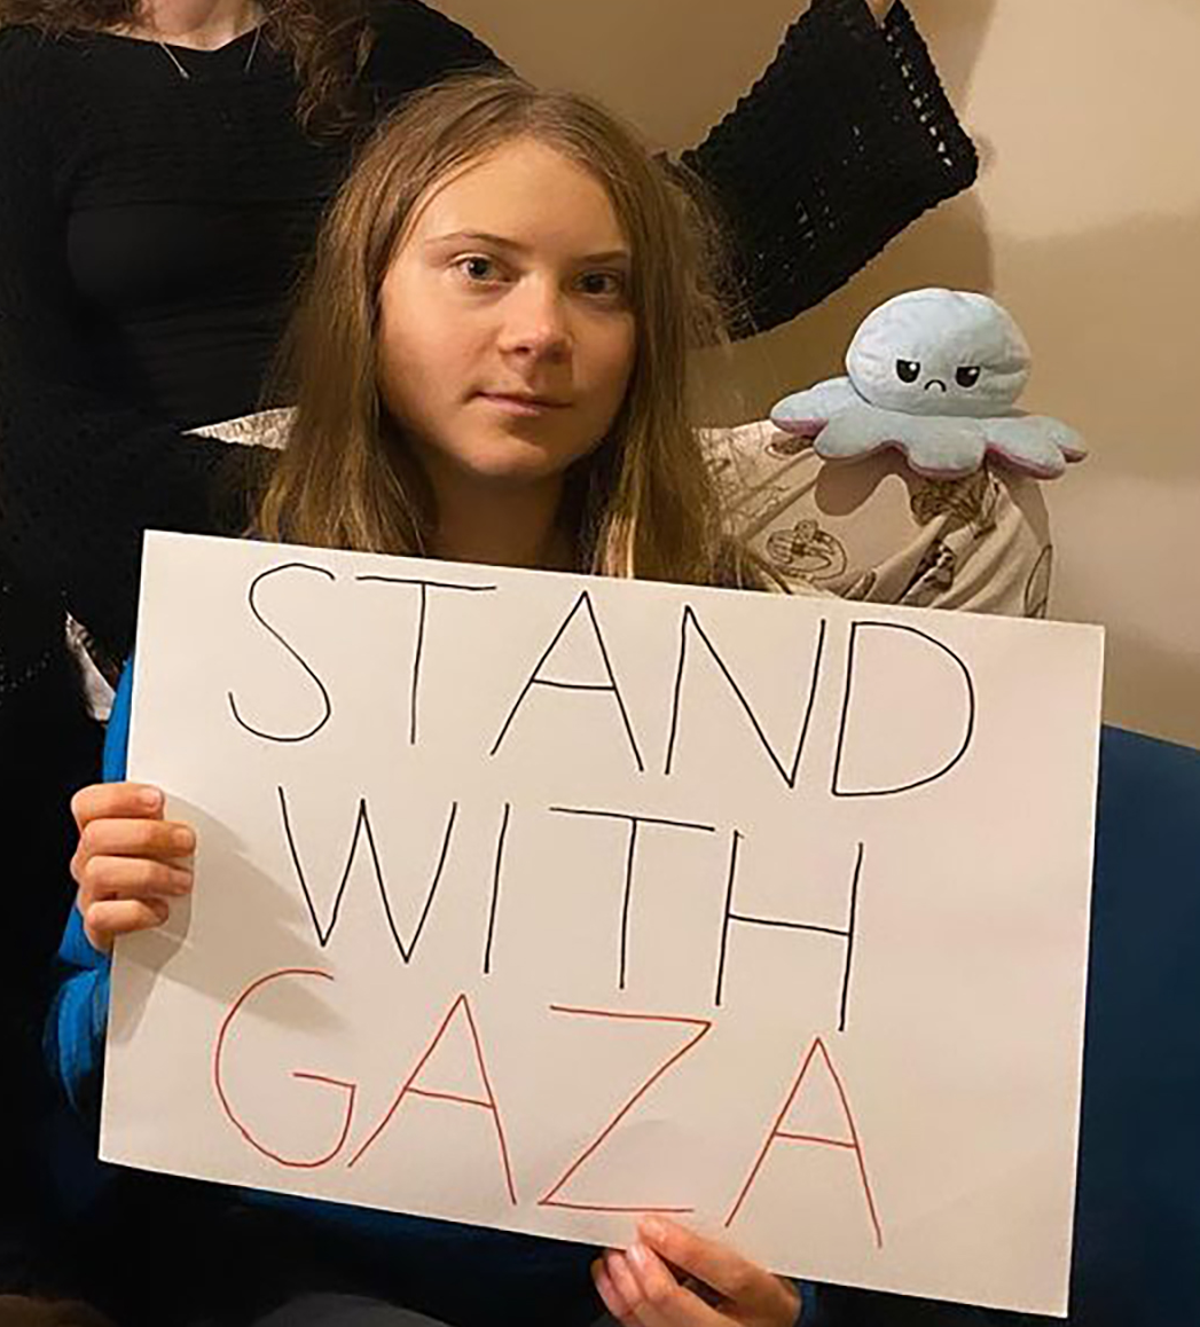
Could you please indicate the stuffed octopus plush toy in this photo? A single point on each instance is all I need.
(935, 374)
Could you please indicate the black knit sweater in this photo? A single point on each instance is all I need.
(151, 228)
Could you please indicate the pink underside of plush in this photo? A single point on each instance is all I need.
(928, 472)
(801, 428)
(813, 428)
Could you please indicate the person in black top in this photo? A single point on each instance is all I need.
(157, 202)
(163, 167)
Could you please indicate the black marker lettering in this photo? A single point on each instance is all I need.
(969, 708)
(635, 823)
(362, 829)
(497, 873)
(845, 933)
(691, 626)
(536, 680)
(419, 648)
(326, 703)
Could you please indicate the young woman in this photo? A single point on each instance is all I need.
(480, 378)
(163, 165)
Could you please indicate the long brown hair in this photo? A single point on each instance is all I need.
(643, 503)
(328, 42)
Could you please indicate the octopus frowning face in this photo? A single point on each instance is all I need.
(940, 352)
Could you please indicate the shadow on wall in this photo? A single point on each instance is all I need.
(958, 33)
(674, 66)
(1143, 681)
(1112, 324)
(946, 247)
(1112, 321)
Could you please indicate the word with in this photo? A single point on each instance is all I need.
(635, 825)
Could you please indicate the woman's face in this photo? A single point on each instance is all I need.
(507, 339)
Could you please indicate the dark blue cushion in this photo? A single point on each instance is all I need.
(1137, 1245)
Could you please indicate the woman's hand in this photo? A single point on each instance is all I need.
(640, 1288)
(130, 862)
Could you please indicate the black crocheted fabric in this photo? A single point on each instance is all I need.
(845, 140)
(152, 226)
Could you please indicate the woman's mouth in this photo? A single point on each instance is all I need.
(523, 403)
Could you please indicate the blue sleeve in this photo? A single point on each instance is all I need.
(75, 1028)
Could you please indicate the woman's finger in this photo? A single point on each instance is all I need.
(103, 922)
(662, 1301)
(120, 800)
(626, 1286)
(107, 878)
(613, 1301)
(734, 1277)
(122, 837)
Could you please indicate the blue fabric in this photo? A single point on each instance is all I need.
(1137, 1239)
(79, 1013)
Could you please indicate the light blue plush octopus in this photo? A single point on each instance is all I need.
(935, 374)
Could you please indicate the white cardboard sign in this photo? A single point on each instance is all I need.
(537, 901)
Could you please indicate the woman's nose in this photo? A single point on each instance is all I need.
(536, 322)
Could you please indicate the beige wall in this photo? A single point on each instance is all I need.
(1086, 224)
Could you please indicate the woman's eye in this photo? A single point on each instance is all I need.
(606, 285)
(478, 268)
(908, 370)
(967, 377)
